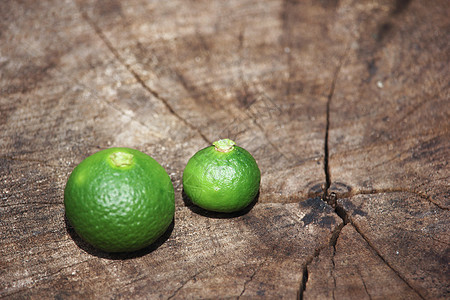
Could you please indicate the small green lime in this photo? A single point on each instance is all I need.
(119, 200)
(222, 177)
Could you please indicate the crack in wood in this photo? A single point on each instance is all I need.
(248, 104)
(251, 277)
(331, 199)
(327, 127)
(261, 128)
(415, 108)
(378, 254)
(138, 78)
(183, 284)
(331, 243)
(364, 283)
(419, 194)
(305, 277)
(333, 275)
(385, 261)
(246, 94)
(34, 53)
(325, 196)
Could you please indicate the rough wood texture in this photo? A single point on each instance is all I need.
(344, 105)
(389, 128)
(352, 270)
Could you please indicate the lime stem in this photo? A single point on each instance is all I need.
(224, 145)
(121, 159)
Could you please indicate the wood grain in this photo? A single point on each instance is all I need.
(344, 105)
(353, 270)
(389, 128)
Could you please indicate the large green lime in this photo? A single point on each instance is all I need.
(119, 200)
(222, 177)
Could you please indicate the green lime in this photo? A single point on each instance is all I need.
(119, 200)
(222, 177)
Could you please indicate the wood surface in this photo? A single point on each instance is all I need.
(344, 105)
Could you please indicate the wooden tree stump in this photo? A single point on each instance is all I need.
(344, 105)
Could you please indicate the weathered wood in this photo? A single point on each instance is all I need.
(230, 69)
(353, 270)
(389, 128)
(389, 132)
(342, 98)
(395, 246)
(259, 253)
(389, 143)
(410, 234)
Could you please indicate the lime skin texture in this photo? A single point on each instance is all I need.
(119, 200)
(222, 177)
